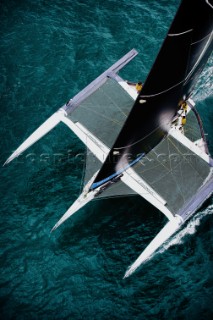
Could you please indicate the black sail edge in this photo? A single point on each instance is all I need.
(173, 75)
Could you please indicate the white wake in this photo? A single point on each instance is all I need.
(189, 228)
(204, 86)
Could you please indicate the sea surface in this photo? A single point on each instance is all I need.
(49, 51)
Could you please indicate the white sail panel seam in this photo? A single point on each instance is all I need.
(189, 74)
(179, 34)
(208, 35)
(159, 93)
(207, 1)
(200, 57)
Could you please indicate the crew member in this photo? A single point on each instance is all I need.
(183, 121)
(184, 106)
(139, 86)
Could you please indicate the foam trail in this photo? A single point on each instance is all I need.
(169, 229)
(189, 228)
(164, 238)
(204, 87)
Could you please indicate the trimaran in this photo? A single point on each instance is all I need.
(150, 142)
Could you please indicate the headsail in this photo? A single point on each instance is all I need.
(182, 56)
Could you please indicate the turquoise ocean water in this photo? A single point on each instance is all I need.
(49, 50)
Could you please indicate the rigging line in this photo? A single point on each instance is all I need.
(134, 143)
(200, 56)
(154, 167)
(189, 74)
(142, 171)
(169, 172)
(159, 93)
(169, 155)
(172, 173)
(176, 149)
(101, 115)
(109, 97)
(160, 161)
(182, 177)
(208, 35)
(180, 189)
(82, 185)
(192, 129)
(192, 134)
(174, 167)
(186, 158)
(173, 176)
(198, 118)
(160, 164)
